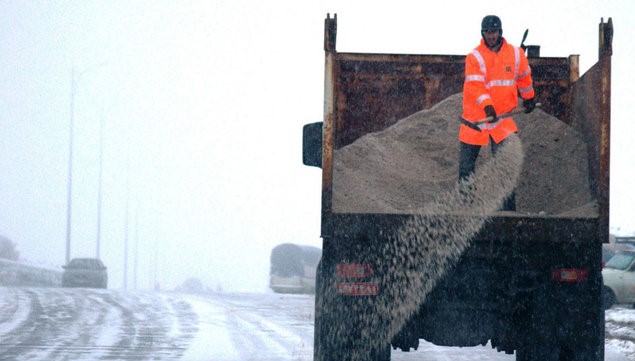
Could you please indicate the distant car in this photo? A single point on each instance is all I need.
(616, 244)
(607, 253)
(85, 272)
(619, 279)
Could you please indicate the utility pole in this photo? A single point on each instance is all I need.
(70, 170)
(69, 193)
(99, 196)
(125, 253)
(136, 249)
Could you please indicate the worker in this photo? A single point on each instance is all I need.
(496, 73)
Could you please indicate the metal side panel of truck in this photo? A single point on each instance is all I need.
(529, 285)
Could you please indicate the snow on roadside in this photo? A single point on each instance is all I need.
(237, 327)
(620, 330)
(109, 335)
(212, 340)
(15, 308)
(220, 327)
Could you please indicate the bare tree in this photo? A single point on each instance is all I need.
(8, 249)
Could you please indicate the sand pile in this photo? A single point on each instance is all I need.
(402, 168)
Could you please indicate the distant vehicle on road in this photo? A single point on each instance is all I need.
(85, 272)
(616, 244)
(293, 268)
(625, 240)
(619, 279)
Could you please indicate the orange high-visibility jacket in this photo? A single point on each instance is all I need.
(493, 79)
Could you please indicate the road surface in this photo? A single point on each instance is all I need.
(90, 324)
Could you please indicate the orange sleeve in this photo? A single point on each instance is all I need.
(524, 81)
(475, 94)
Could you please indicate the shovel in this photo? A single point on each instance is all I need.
(522, 43)
(474, 125)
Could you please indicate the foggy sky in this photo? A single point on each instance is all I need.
(203, 103)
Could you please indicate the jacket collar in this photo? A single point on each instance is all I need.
(484, 46)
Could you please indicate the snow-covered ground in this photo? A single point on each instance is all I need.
(620, 330)
(87, 324)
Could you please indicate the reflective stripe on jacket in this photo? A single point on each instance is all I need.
(493, 79)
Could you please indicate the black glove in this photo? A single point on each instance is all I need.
(529, 105)
(490, 112)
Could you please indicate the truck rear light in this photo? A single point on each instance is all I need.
(570, 275)
(354, 270)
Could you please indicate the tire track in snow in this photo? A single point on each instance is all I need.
(255, 330)
(58, 325)
(212, 340)
(12, 310)
(86, 324)
(294, 326)
(81, 318)
(19, 336)
(152, 326)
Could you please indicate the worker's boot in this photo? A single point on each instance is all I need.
(509, 204)
(467, 193)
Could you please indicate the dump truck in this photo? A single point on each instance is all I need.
(528, 284)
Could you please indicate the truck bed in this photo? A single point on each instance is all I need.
(369, 93)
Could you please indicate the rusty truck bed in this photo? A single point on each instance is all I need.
(368, 92)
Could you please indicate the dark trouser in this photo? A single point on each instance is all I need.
(467, 164)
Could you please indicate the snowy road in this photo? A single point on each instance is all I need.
(87, 324)
(79, 324)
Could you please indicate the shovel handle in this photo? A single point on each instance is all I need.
(504, 115)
